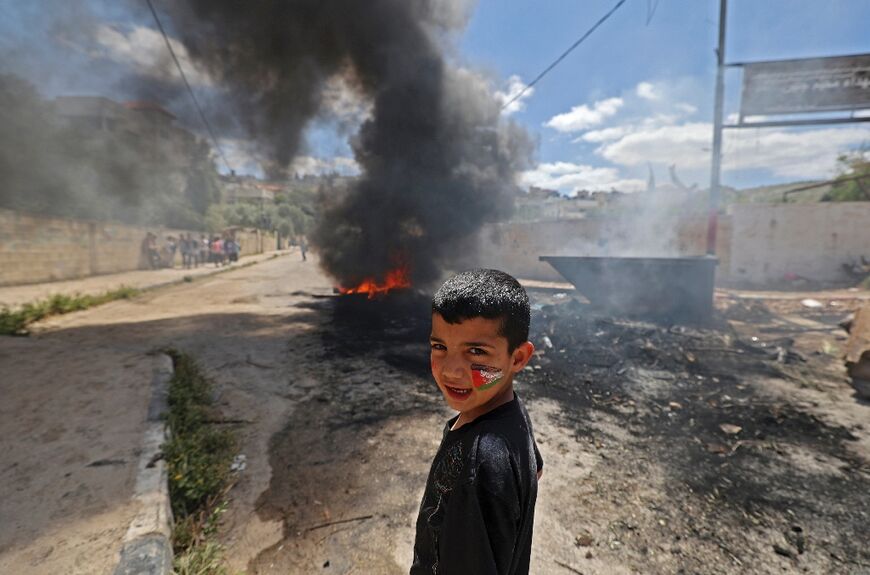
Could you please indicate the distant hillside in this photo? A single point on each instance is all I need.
(776, 194)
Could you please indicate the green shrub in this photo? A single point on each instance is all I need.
(15, 321)
(205, 559)
(198, 456)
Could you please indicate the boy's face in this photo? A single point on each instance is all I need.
(470, 361)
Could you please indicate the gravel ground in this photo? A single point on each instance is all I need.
(668, 450)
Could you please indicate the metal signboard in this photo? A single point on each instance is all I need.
(807, 85)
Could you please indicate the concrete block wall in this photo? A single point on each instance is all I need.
(36, 249)
(117, 247)
(256, 241)
(758, 245)
(772, 241)
(42, 248)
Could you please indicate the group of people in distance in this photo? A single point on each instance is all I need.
(217, 250)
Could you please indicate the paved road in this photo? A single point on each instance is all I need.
(75, 396)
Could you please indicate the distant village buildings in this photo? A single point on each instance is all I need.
(236, 189)
(541, 204)
(248, 189)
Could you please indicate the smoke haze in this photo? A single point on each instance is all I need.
(86, 154)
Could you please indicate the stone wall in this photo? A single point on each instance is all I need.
(758, 245)
(37, 249)
(256, 241)
(771, 242)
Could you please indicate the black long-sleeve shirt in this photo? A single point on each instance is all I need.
(479, 504)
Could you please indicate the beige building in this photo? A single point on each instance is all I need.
(248, 189)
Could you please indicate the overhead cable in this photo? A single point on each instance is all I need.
(651, 7)
(189, 89)
(564, 54)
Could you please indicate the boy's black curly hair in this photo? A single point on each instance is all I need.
(490, 294)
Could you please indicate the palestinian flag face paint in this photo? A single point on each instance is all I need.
(484, 377)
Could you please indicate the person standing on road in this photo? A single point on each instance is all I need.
(149, 251)
(171, 248)
(217, 251)
(184, 246)
(478, 507)
(303, 247)
(232, 248)
(204, 249)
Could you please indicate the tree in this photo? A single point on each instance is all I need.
(853, 183)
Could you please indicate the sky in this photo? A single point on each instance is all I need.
(636, 96)
(639, 91)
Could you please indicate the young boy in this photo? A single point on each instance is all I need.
(479, 504)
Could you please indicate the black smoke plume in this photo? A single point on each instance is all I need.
(437, 159)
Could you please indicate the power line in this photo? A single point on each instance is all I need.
(651, 7)
(189, 89)
(564, 54)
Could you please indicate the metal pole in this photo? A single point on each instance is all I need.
(716, 168)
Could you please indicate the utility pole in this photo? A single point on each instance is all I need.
(716, 167)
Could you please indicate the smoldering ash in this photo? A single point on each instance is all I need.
(437, 158)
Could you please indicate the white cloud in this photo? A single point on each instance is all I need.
(604, 134)
(310, 165)
(343, 103)
(686, 109)
(241, 155)
(806, 154)
(660, 144)
(583, 117)
(246, 160)
(514, 86)
(655, 123)
(647, 91)
(145, 50)
(619, 131)
(803, 154)
(568, 178)
(667, 135)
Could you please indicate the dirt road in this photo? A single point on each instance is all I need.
(75, 396)
(338, 421)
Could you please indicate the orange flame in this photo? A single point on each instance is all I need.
(395, 279)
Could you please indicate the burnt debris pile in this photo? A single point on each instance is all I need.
(606, 349)
(701, 406)
(394, 328)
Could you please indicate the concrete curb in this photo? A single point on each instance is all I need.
(148, 543)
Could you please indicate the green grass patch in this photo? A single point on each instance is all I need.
(205, 559)
(198, 457)
(16, 321)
